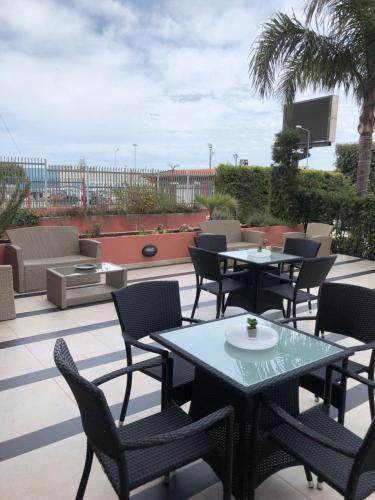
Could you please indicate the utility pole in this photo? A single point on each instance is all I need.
(135, 155)
(211, 152)
(115, 156)
(235, 156)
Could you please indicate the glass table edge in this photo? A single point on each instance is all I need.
(296, 372)
(287, 258)
(85, 272)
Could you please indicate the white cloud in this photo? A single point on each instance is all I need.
(80, 78)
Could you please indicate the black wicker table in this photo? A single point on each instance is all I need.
(253, 298)
(228, 375)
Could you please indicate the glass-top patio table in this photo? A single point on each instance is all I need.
(252, 298)
(229, 375)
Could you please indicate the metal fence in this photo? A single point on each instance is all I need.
(53, 186)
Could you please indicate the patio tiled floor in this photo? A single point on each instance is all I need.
(41, 444)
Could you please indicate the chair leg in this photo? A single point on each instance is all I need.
(218, 306)
(197, 295)
(228, 459)
(126, 398)
(288, 309)
(223, 306)
(319, 484)
(309, 302)
(309, 478)
(371, 398)
(85, 473)
(294, 313)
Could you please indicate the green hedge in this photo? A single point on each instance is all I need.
(353, 218)
(251, 185)
(347, 160)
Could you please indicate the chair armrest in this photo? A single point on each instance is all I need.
(90, 248)
(252, 236)
(350, 374)
(14, 257)
(363, 347)
(182, 433)
(298, 426)
(191, 320)
(150, 363)
(300, 318)
(145, 347)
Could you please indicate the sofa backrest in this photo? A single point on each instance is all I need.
(318, 229)
(45, 242)
(231, 229)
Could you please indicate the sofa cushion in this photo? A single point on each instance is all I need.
(67, 260)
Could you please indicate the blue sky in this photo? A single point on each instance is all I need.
(81, 78)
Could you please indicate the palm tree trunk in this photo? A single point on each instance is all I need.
(366, 129)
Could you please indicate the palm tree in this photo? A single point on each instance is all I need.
(333, 48)
(217, 202)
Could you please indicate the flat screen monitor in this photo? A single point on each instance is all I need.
(319, 116)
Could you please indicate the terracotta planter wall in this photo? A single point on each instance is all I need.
(126, 223)
(128, 249)
(274, 234)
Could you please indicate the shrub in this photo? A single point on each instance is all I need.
(219, 203)
(284, 183)
(146, 200)
(264, 219)
(26, 217)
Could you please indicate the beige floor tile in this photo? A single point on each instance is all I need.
(17, 360)
(81, 345)
(36, 325)
(6, 332)
(31, 407)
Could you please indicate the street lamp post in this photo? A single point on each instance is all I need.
(235, 156)
(135, 155)
(308, 142)
(115, 159)
(211, 152)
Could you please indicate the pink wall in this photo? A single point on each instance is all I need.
(125, 223)
(274, 234)
(128, 249)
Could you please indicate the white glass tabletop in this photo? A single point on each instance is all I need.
(206, 343)
(265, 257)
(100, 268)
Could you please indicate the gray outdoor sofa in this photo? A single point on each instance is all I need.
(237, 237)
(34, 249)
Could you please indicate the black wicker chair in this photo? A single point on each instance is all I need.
(215, 243)
(325, 447)
(312, 274)
(148, 448)
(207, 266)
(144, 308)
(303, 248)
(345, 310)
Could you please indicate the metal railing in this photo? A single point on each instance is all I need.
(54, 186)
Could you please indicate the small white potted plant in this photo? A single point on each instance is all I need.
(252, 328)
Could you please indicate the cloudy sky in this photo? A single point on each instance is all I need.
(81, 78)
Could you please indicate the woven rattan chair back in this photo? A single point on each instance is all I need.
(213, 242)
(364, 462)
(347, 310)
(96, 418)
(314, 271)
(206, 263)
(302, 248)
(144, 308)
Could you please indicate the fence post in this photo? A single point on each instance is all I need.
(28, 193)
(83, 192)
(45, 183)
